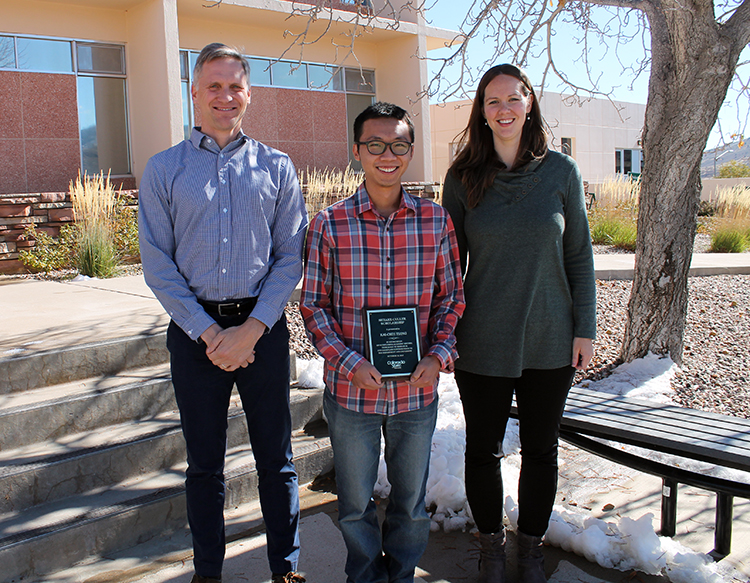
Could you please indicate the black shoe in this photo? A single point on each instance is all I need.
(290, 577)
(198, 579)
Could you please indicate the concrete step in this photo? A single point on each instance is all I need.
(96, 359)
(56, 535)
(80, 462)
(50, 413)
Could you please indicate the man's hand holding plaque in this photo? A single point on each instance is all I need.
(393, 343)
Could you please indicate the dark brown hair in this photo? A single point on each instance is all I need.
(477, 162)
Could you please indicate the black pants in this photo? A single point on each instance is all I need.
(203, 393)
(540, 396)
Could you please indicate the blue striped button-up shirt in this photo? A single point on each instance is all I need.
(220, 224)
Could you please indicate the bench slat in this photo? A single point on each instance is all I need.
(670, 414)
(699, 435)
(681, 425)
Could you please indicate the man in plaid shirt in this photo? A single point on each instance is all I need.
(381, 247)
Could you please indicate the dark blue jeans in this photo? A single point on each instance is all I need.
(390, 555)
(540, 396)
(203, 392)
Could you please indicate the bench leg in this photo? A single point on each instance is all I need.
(668, 507)
(723, 535)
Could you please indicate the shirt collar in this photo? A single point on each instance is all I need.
(362, 202)
(201, 140)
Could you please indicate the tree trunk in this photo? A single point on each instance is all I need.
(693, 61)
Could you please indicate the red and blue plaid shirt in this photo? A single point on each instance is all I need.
(356, 258)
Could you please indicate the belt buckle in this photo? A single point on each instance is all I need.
(233, 308)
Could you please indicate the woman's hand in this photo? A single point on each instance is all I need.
(583, 351)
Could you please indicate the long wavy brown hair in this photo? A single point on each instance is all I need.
(477, 162)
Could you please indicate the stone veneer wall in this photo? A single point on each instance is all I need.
(48, 211)
(39, 148)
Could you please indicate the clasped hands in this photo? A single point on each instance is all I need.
(425, 375)
(234, 347)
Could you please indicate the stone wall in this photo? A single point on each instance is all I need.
(48, 211)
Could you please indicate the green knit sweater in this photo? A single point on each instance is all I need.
(529, 269)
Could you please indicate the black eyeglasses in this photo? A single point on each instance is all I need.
(377, 147)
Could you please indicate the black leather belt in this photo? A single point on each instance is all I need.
(229, 308)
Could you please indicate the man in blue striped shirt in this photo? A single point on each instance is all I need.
(222, 223)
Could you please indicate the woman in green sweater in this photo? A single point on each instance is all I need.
(519, 213)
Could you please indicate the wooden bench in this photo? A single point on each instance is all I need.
(717, 439)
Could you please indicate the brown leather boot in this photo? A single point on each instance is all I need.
(492, 557)
(530, 559)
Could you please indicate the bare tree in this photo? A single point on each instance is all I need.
(693, 57)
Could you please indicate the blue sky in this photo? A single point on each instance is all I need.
(603, 60)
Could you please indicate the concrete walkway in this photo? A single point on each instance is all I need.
(38, 316)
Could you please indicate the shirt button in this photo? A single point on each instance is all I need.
(387, 286)
(225, 210)
(223, 181)
(225, 239)
(223, 270)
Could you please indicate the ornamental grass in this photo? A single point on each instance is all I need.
(94, 205)
(614, 215)
(322, 188)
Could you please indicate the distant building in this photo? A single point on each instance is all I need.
(604, 138)
(102, 85)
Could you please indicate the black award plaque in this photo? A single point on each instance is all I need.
(392, 338)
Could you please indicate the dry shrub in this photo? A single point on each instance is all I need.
(324, 187)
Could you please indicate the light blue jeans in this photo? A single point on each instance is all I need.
(389, 556)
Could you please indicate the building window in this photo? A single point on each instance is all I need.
(47, 56)
(260, 71)
(628, 161)
(355, 104)
(291, 75)
(100, 58)
(566, 146)
(325, 77)
(103, 125)
(360, 80)
(101, 108)
(7, 52)
(102, 104)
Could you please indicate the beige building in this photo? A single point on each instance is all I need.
(102, 85)
(604, 138)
